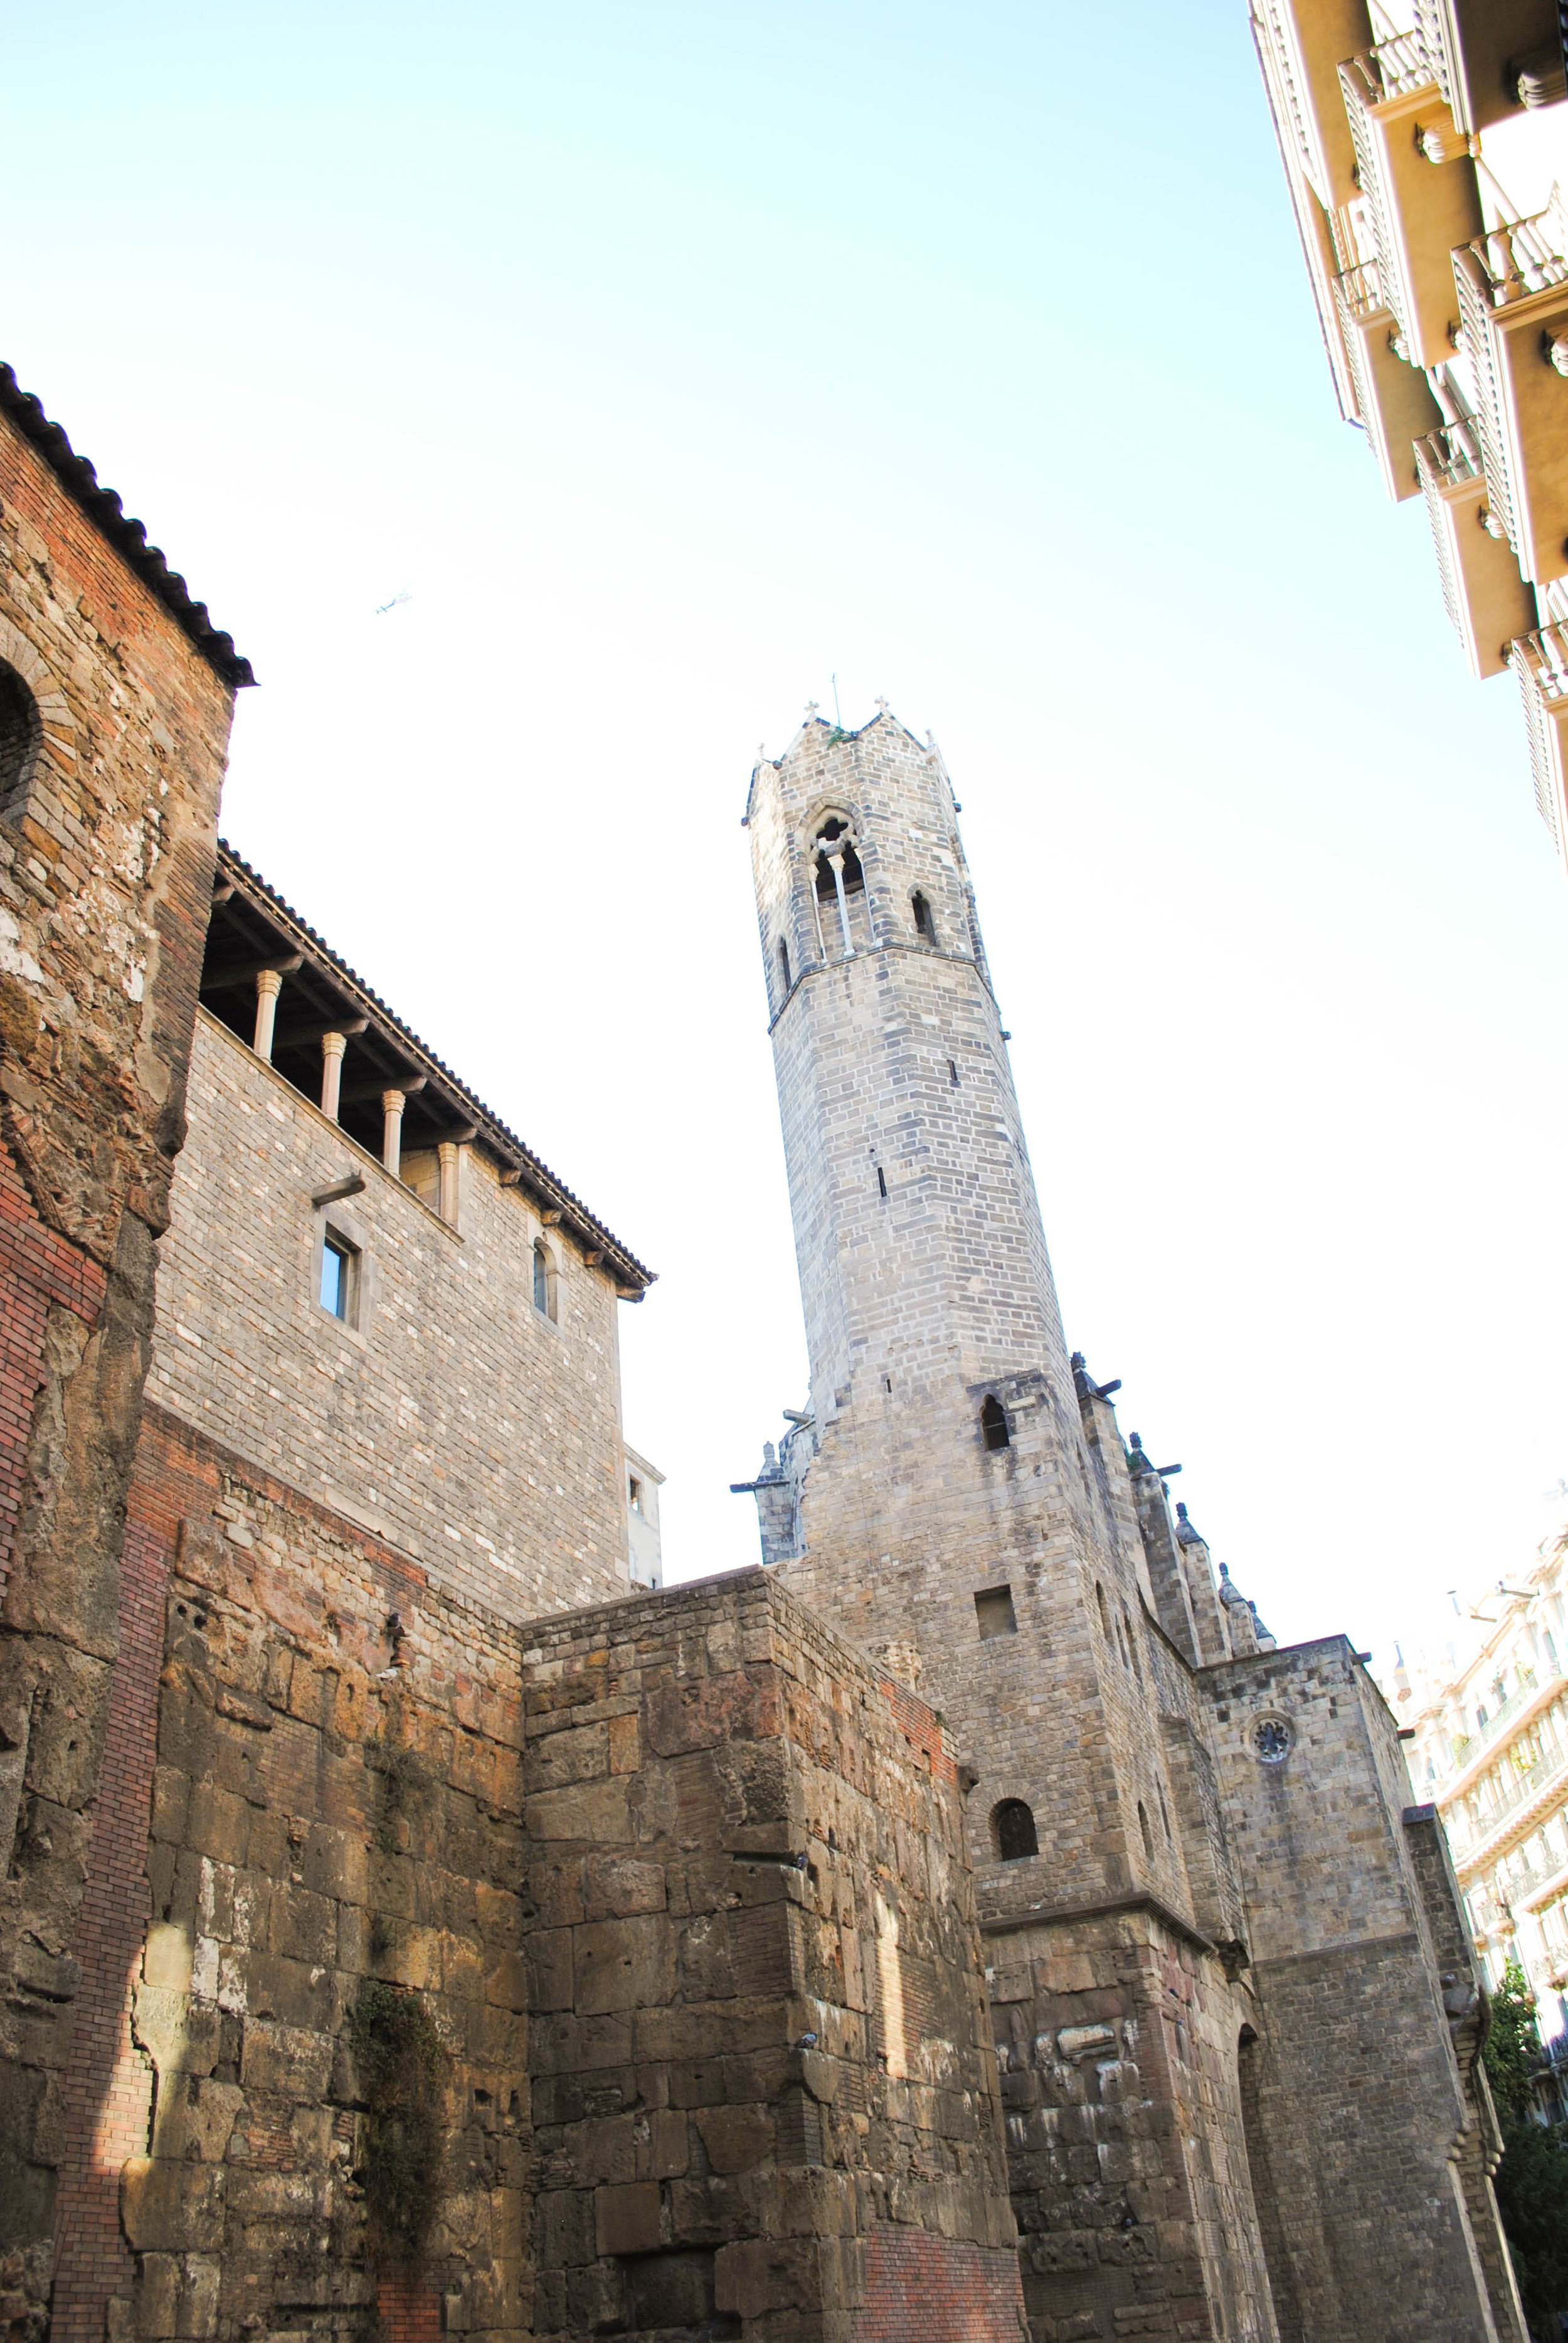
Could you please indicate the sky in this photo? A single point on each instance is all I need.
(552, 402)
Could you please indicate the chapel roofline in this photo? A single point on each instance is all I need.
(253, 928)
(104, 509)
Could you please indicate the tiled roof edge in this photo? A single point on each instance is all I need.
(504, 1142)
(129, 537)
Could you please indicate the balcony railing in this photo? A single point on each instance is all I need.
(1529, 1785)
(1452, 454)
(1522, 257)
(1468, 1746)
(1393, 69)
(1539, 661)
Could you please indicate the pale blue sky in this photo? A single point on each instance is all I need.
(671, 360)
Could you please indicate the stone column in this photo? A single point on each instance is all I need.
(447, 1197)
(392, 1131)
(332, 1048)
(836, 863)
(268, 985)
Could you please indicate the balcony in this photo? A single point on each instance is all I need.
(1482, 590)
(1534, 1790)
(1540, 661)
(1418, 186)
(1299, 45)
(1393, 400)
(1513, 288)
(1478, 48)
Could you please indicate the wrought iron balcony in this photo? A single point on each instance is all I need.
(1513, 288)
(1393, 400)
(1482, 590)
(1539, 661)
(1418, 184)
(1485, 49)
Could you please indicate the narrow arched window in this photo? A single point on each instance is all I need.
(925, 926)
(544, 1280)
(993, 1423)
(854, 877)
(1147, 1834)
(1013, 1831)
(21, 738)
(784, 964)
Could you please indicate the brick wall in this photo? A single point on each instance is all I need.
(455, 1420)
(39, 1271)
(106, 851)
(925, 2289)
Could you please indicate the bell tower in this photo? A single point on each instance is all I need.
(957, 1499)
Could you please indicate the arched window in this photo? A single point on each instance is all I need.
(544, 1279)
(925, 926)
(1147, 1834)
(993, 1423)
(854, 877)
(21, 738)
(1012, 1831)
(1104, 1613)
(784, 965)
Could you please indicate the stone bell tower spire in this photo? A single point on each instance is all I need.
(917, 1229)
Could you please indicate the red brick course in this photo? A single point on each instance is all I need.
(410, 2311)
(39, 1270)
(922, 2288)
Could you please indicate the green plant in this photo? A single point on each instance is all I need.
(401, 2063)
(1531, 2181)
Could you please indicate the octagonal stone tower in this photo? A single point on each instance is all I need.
(960, 1506)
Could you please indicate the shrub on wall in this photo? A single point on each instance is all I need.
(401, 2066)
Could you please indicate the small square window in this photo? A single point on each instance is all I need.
(337, 1261)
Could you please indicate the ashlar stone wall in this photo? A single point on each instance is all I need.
(1363, 2123)
(765, 2099)
(452, 1418)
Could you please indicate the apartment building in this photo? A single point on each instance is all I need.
(1425, 146)
(1487, 1715)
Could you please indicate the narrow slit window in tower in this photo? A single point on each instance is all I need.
(993, 1423)
(784, 964)
(1147, 1834)
(881, 1183)
(1013, 1831)
(925, 926)
(953, 1073)
(544, 1281)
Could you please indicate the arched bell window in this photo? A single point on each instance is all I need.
(1012, 1831)
(840, 884)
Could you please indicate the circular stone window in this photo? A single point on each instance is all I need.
(1272, 1738)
